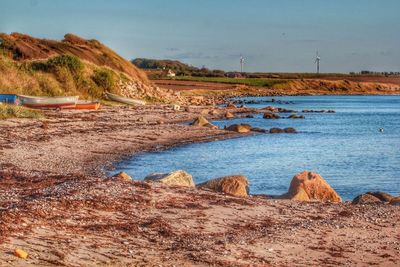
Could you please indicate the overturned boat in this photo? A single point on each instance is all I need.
(48, 102)
(9, 99)
(95, 105)
(125, 100)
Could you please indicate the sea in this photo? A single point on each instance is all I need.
(356, 149)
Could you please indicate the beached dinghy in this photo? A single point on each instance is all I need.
(9, 99)
(48, 102)
(125, 100)
(84, 105)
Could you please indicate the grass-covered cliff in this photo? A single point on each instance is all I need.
(73, 66)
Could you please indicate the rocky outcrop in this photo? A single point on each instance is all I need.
(176, 178)
(203, 122)
(240, 128)
(271, 116)
(236, 185)
(122, 176)
(310, 186)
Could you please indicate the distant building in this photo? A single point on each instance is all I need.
(171, 74)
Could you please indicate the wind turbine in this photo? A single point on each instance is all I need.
(241, 63)
(317, 60)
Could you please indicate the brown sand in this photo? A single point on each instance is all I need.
(56, 204)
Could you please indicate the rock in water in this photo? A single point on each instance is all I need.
(290, 130)
(295, 116)
(365, 199)
(203, 122)
(271, 116)
(236, 185)
(176, 178)
(395, 201)
(122, 176)
(310, 186)
(240, 128)
(276, 130)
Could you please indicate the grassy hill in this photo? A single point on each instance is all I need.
(73, 66)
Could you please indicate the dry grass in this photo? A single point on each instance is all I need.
(34, 78)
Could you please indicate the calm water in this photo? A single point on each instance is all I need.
(345, 147)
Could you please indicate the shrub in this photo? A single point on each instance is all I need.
(106, 79)
(72, 63)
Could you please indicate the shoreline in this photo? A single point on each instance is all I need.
(56, 204)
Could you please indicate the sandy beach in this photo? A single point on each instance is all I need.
(57, 204)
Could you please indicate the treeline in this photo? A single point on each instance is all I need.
(368, 72)
(161, 67)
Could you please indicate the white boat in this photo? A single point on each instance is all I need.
(125, 100)
(47, 102)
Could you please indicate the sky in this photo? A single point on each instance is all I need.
(272, 36)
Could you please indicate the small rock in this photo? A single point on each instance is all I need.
(203, 122)
(271, 116)
(290, 130)
(20, 253)
(229, 115)
(295, 116)
(122, 176)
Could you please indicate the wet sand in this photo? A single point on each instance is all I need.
(56, 203)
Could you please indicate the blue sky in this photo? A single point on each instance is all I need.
(273, 36)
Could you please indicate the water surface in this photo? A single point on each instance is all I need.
(345, 147)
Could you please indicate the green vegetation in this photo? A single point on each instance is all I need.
(71, 63)
(105, 78)
(60, 75)
(13, 111)
(245, 81)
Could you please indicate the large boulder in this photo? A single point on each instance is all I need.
(395, 201)
(240, 128)
(236, 185)
(271, 116)
(310, 186)
(175, 178)
(203, 122)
